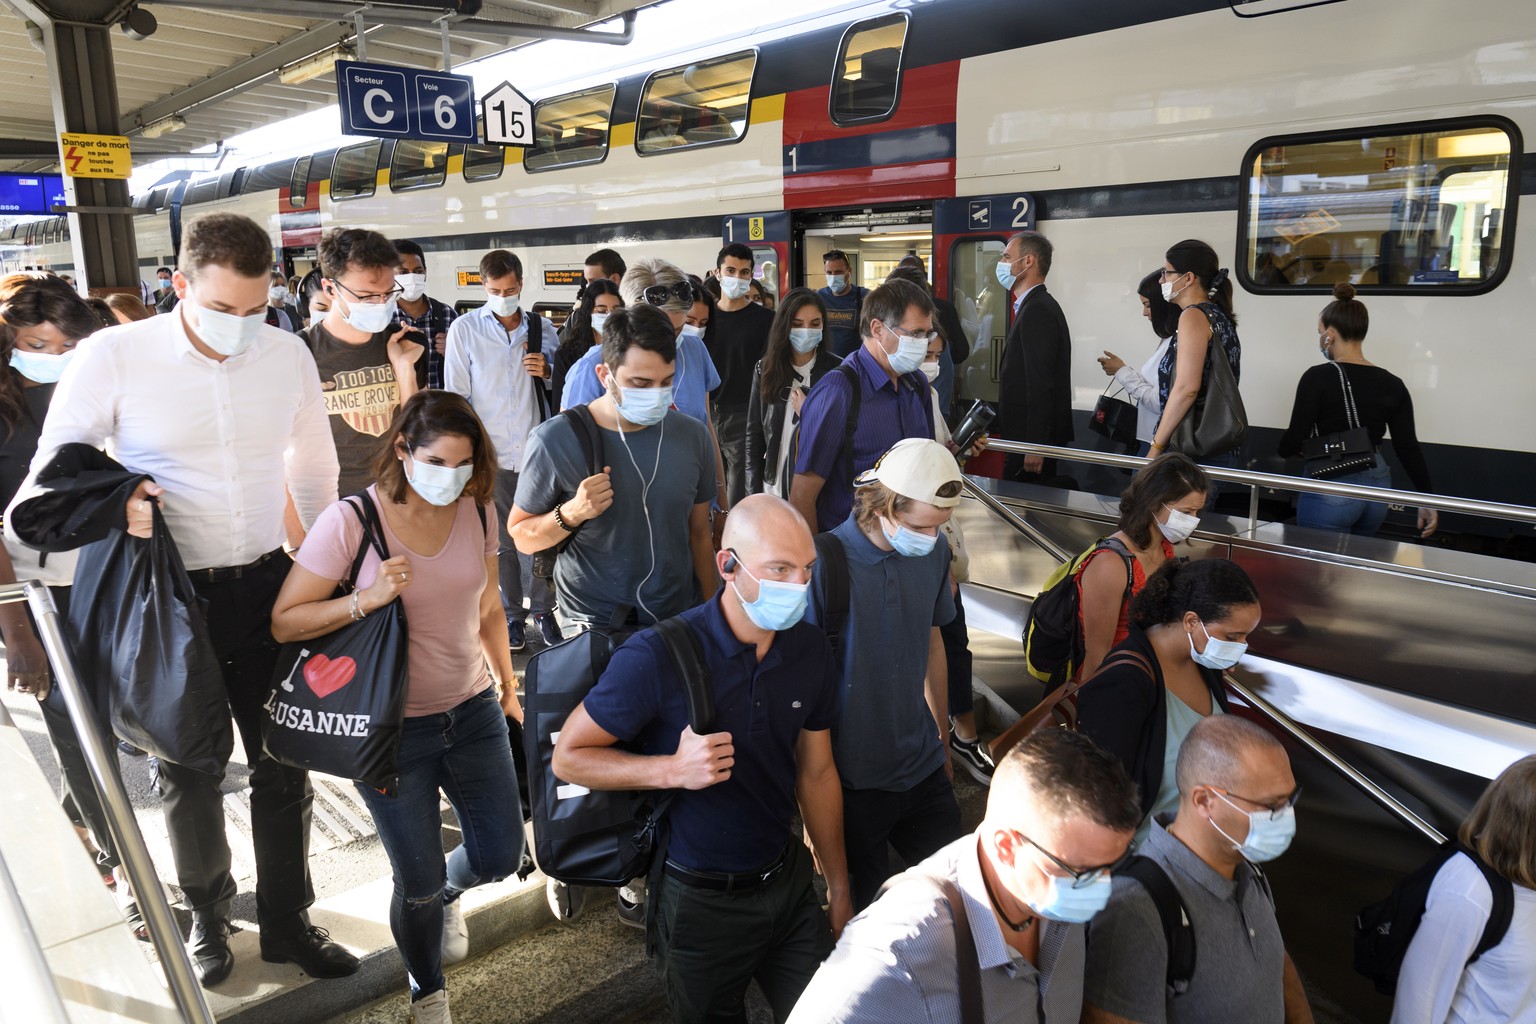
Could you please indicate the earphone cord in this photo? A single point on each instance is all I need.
(645, 491)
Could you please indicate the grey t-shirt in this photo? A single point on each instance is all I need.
(624, 556)
(1240, 955)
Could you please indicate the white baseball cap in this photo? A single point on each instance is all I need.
(915, 468)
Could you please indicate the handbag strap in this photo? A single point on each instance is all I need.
(1349, 398)
(373, 535)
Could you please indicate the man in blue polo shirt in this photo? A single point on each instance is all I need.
(893, 403)
(892, 736)
(735, 870)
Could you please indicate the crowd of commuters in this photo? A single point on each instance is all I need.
(779, 474)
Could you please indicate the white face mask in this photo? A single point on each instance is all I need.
(439, 485)
(599, 319)
(1179, 525)
(502, 305)
(40, 367)
(734, 287)
(370, 317)
(226, 333)
(1168, 290)
(277, 294)
(693, 331)
(412, 286)
(931, 371)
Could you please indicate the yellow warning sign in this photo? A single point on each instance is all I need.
(96, 156)
(755, 229)
(469, 278)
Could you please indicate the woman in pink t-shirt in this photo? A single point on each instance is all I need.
(433, 491)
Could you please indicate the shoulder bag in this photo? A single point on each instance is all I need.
(1345, 451)
(1217, 422)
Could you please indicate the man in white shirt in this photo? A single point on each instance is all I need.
(225, 413)
(496, 360)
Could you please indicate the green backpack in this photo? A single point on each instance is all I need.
(1053, 636)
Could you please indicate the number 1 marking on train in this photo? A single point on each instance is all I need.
(794, 159)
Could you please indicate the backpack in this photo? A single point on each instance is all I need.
(832, 587)
(1053, 637)
(591, 441)
(597, 837)
(1177, 930)
(1383, 931)
(851, 375)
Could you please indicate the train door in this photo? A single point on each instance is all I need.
(873, 240)
(767, 235)
(970, 233)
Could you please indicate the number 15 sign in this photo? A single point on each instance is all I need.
(508, 116)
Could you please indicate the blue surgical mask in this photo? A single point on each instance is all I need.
(1218, 654)
(370, 317)
(909, 354)
(598, 320)
(439, 485)
(837, 282)
(1323, 346)
(1268, 835)
(40, 367)
(644, 407)
(908, 542)
(734, 287)
(778, 605)
(1073, 905)
(805, 339)
(1005, 274)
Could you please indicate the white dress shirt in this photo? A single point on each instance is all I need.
(484, 363)
(1142, 387)
(222, 438)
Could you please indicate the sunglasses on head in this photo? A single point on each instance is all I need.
(659, 294)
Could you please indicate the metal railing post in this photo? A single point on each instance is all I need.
(1253, 510)
(102, 762)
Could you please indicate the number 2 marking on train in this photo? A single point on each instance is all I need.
(1021, 211)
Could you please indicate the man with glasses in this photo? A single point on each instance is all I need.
(876, 397)
(736, 339)
(368, 366)
(1237, 801)
(844, 301)
(1059, 819)
(1035, 380)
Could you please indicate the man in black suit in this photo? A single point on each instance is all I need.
(1035, 390)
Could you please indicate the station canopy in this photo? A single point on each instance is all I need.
(209, 70)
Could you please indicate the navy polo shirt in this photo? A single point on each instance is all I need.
(888, 412)
(886, 737)
(740, 824)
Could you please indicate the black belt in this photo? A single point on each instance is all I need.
(745, 881)
(226, 573)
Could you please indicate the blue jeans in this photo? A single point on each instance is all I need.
(464, 753)
(1347, 515)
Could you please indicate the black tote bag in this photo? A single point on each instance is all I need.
(1217, 422)
(137, 630)
(338, 701)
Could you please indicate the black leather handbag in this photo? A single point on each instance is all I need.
(1218, 422)
(1345, 451)
(1115, 419)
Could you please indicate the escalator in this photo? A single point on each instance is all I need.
(1398, 676)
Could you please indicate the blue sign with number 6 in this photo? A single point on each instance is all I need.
(404, 103)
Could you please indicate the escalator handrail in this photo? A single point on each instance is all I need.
(102, 763)
(1289, 725)
(1278, 482)
(32, 990)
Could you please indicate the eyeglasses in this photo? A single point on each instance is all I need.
(928, 337)
(658, 294)
(1275, 810)
(372, 298)
(1166, 273)
(1087, 876)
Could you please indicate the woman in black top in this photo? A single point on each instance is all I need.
(1189, 624)
(1202, 290)
(797, 356)
(582, 329)
(1382, 404)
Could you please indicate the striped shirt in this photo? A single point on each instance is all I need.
(887, 413)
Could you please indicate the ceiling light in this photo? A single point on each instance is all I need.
(138, 24)
(164, 126)
(317, 66)
(925, 236)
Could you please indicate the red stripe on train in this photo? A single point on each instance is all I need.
(888, 183)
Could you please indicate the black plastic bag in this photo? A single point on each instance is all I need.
(136, 630)
(338, 701)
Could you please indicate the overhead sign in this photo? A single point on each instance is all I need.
(96, 156)
(564, 277)
(30, 193)
(508, 116)
(403, 103)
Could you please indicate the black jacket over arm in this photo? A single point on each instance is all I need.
(1035, 386)
(765, 423)
(1125, 711)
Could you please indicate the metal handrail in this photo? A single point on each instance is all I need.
(149, 893)
(30, 987)
(1258, 703)
(1275, 481)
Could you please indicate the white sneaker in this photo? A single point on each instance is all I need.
(455, 935)
(564, 901)
(432, 1010)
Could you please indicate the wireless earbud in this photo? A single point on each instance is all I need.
(731, 563)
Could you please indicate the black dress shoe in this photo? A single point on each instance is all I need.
(208, 946)
(313, 950)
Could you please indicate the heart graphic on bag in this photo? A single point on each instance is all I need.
(326, 676)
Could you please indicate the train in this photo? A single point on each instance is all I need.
(1373, 141)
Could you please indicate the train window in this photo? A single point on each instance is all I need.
(700, 105)
(484, 163)
(355, 174)
(570, 129)
(867, 82)
(417, 164)
(298, 182)
(1401, 209)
